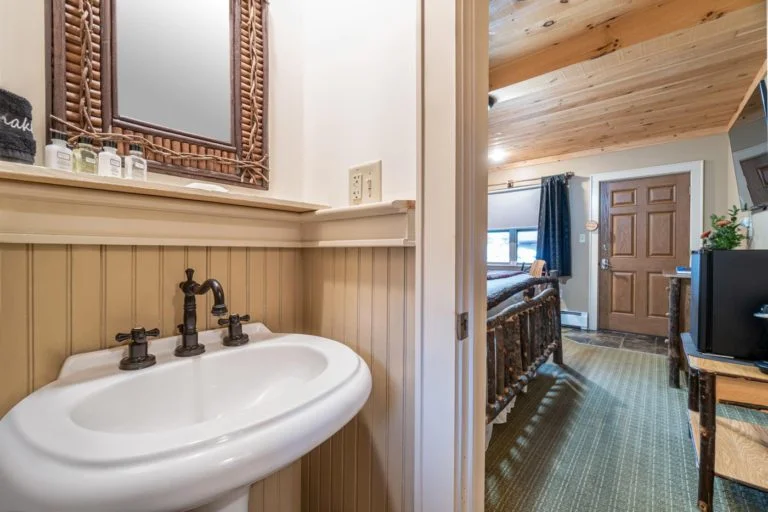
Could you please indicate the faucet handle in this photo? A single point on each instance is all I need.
(235, 336)
(234, 319)
(190, 272)
(137, 357)
(137, 335)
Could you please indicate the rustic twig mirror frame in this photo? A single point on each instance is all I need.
(84, 95)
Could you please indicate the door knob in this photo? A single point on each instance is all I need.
(604, 265)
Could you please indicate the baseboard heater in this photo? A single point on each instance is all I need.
(574, 318)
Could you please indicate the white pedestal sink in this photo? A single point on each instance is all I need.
(186, 433)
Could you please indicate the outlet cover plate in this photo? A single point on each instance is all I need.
(365, 183)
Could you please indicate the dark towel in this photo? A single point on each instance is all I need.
(17, 143)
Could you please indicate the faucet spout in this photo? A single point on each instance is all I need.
(219, 303)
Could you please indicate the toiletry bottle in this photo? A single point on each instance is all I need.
(110, 163)
(135, 164)
(85, 156)
(57, 154)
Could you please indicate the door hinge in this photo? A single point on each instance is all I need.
(462, 326)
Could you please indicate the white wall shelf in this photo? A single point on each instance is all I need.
(43, 206)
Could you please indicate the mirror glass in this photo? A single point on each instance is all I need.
(749, 144)
(173, 66)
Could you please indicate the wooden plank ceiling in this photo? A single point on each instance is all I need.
(577, 77)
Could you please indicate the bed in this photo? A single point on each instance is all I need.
(505, 291)
(523, 330)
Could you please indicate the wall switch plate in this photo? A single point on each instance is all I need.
(365, 183)
(582, 238)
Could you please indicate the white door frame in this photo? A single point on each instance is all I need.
(451, 216)
(696, 170)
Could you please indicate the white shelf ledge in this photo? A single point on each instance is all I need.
(45, 175)
(44, 206)
(390, 224)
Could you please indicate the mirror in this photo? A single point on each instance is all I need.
(173, 65)
(186, 79)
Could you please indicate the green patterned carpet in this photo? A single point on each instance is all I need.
(604, 433)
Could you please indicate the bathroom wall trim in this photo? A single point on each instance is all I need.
(45, 208)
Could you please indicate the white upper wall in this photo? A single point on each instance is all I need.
(360, 95)
(285, 109)
(343, 90)
(22, 58)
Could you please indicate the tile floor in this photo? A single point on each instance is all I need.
(638, 342)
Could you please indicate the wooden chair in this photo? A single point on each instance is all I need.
(538, 268)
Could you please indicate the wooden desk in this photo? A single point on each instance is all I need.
(741, 451)
(679, 313)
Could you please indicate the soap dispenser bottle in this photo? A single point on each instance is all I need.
(85, 156)
(57, 155)
(110, 163)
(135, 164)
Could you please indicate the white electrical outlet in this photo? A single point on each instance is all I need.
(365, 183)
(355, 188)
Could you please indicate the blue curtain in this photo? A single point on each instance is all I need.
(554, 237)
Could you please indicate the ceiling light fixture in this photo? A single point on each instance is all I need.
(497, 155)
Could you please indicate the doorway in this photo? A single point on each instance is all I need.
(644, 233)
(695, 169)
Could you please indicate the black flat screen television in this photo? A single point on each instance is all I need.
(727, 289)
(749, 144)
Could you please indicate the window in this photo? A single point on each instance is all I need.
(498, 246)
(517, 245)
(526, 245)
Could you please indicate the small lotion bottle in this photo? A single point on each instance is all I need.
(85, 156)
(57, 155)
(110, 163)
(135, 164)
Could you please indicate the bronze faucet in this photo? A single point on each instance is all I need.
(189, 345)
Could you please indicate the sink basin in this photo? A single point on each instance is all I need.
(185, 433)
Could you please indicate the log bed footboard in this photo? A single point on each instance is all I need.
(520, 339)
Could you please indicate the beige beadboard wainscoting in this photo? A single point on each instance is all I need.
(58, 300)
(84, 258)
(365, 298)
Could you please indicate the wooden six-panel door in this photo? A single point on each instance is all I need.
(644, 232)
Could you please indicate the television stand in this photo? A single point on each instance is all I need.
(731, 449)
(676, 316)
